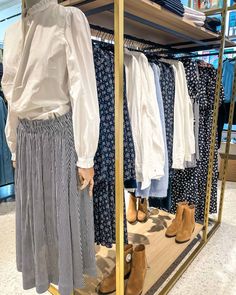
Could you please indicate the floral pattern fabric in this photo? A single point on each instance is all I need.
(104, 188)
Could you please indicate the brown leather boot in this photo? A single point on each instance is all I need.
(138, 272)
(132, 209)
(142, 210)
(187, 228)
(176, 223)
(108, 284)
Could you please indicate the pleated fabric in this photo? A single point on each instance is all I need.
(54, 220)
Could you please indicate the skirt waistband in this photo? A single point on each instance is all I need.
(57, 123)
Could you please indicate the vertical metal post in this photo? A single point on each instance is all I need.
(214, 123)
(119, 149)
(227, 147)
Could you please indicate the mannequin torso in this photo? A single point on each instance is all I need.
(85, 174)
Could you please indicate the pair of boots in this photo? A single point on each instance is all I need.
(183, 225)
(135, 267)
(133, 214)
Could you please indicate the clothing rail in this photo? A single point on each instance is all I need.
(210, 54)
(151, 45)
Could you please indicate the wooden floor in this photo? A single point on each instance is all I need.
(161, 252)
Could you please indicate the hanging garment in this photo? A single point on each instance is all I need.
(184, 139)
(167, 83)
(39, 84)
(190, 184)
(54, 220)
(6, 171)
(192, 81)
(158, 188)
(104, 187)
(150, 153)
(228, 79)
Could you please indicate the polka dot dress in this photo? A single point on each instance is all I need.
(190, 184)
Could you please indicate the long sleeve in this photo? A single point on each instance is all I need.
(9, 72)
(82, 87)
(11, 132)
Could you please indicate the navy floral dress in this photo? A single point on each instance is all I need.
(190, 184)
(104, 188)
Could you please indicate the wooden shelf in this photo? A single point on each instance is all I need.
(161, 252)
(147, 20)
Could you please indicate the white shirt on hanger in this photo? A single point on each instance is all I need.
(49, 69)
(183, 139)
(145, 118)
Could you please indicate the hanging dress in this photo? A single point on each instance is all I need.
(104, 180)
(190, 184)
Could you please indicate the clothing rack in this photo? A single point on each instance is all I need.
(146, 45)
(209, 54)
(145, 19)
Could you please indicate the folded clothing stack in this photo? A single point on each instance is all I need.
(174, 6)
(197, 17)
(211, 23)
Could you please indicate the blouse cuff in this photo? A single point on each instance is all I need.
(13, 157)
(85, 162)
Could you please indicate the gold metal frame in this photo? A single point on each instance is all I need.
(119, 148)
(119, 63)
(214, 125)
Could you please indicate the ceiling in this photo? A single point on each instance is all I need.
(8, 3)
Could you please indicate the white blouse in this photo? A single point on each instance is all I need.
(145, 118)
(183, 137)
(49, 69)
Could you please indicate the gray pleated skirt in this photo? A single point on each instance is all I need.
(54, 220)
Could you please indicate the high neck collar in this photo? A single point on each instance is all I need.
(40, 6)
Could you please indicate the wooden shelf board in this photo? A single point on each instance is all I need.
(152, 15)
(161, 252)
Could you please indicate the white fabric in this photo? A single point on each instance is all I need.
(183, 139)
(145, 119)
(193, 11)
(194, 17)
(49, 68)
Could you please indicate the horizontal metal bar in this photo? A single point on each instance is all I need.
(161, 28)
(99, 9)
(182, 269)
(153, 45)
(85, 2)
(211, 54)
(213, 230)
(199, 48)
(189, 43)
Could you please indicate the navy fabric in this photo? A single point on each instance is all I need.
(190, 184)
(104, 188)
(6, 170)
(174, 6)
(167, 82)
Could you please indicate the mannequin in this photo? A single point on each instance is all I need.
(86, 175)
(52, 131)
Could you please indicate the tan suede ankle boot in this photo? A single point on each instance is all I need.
(108, 284)
(184, 234)
(142, 210)
(176, 223)
(132, 209)
(138, 272)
